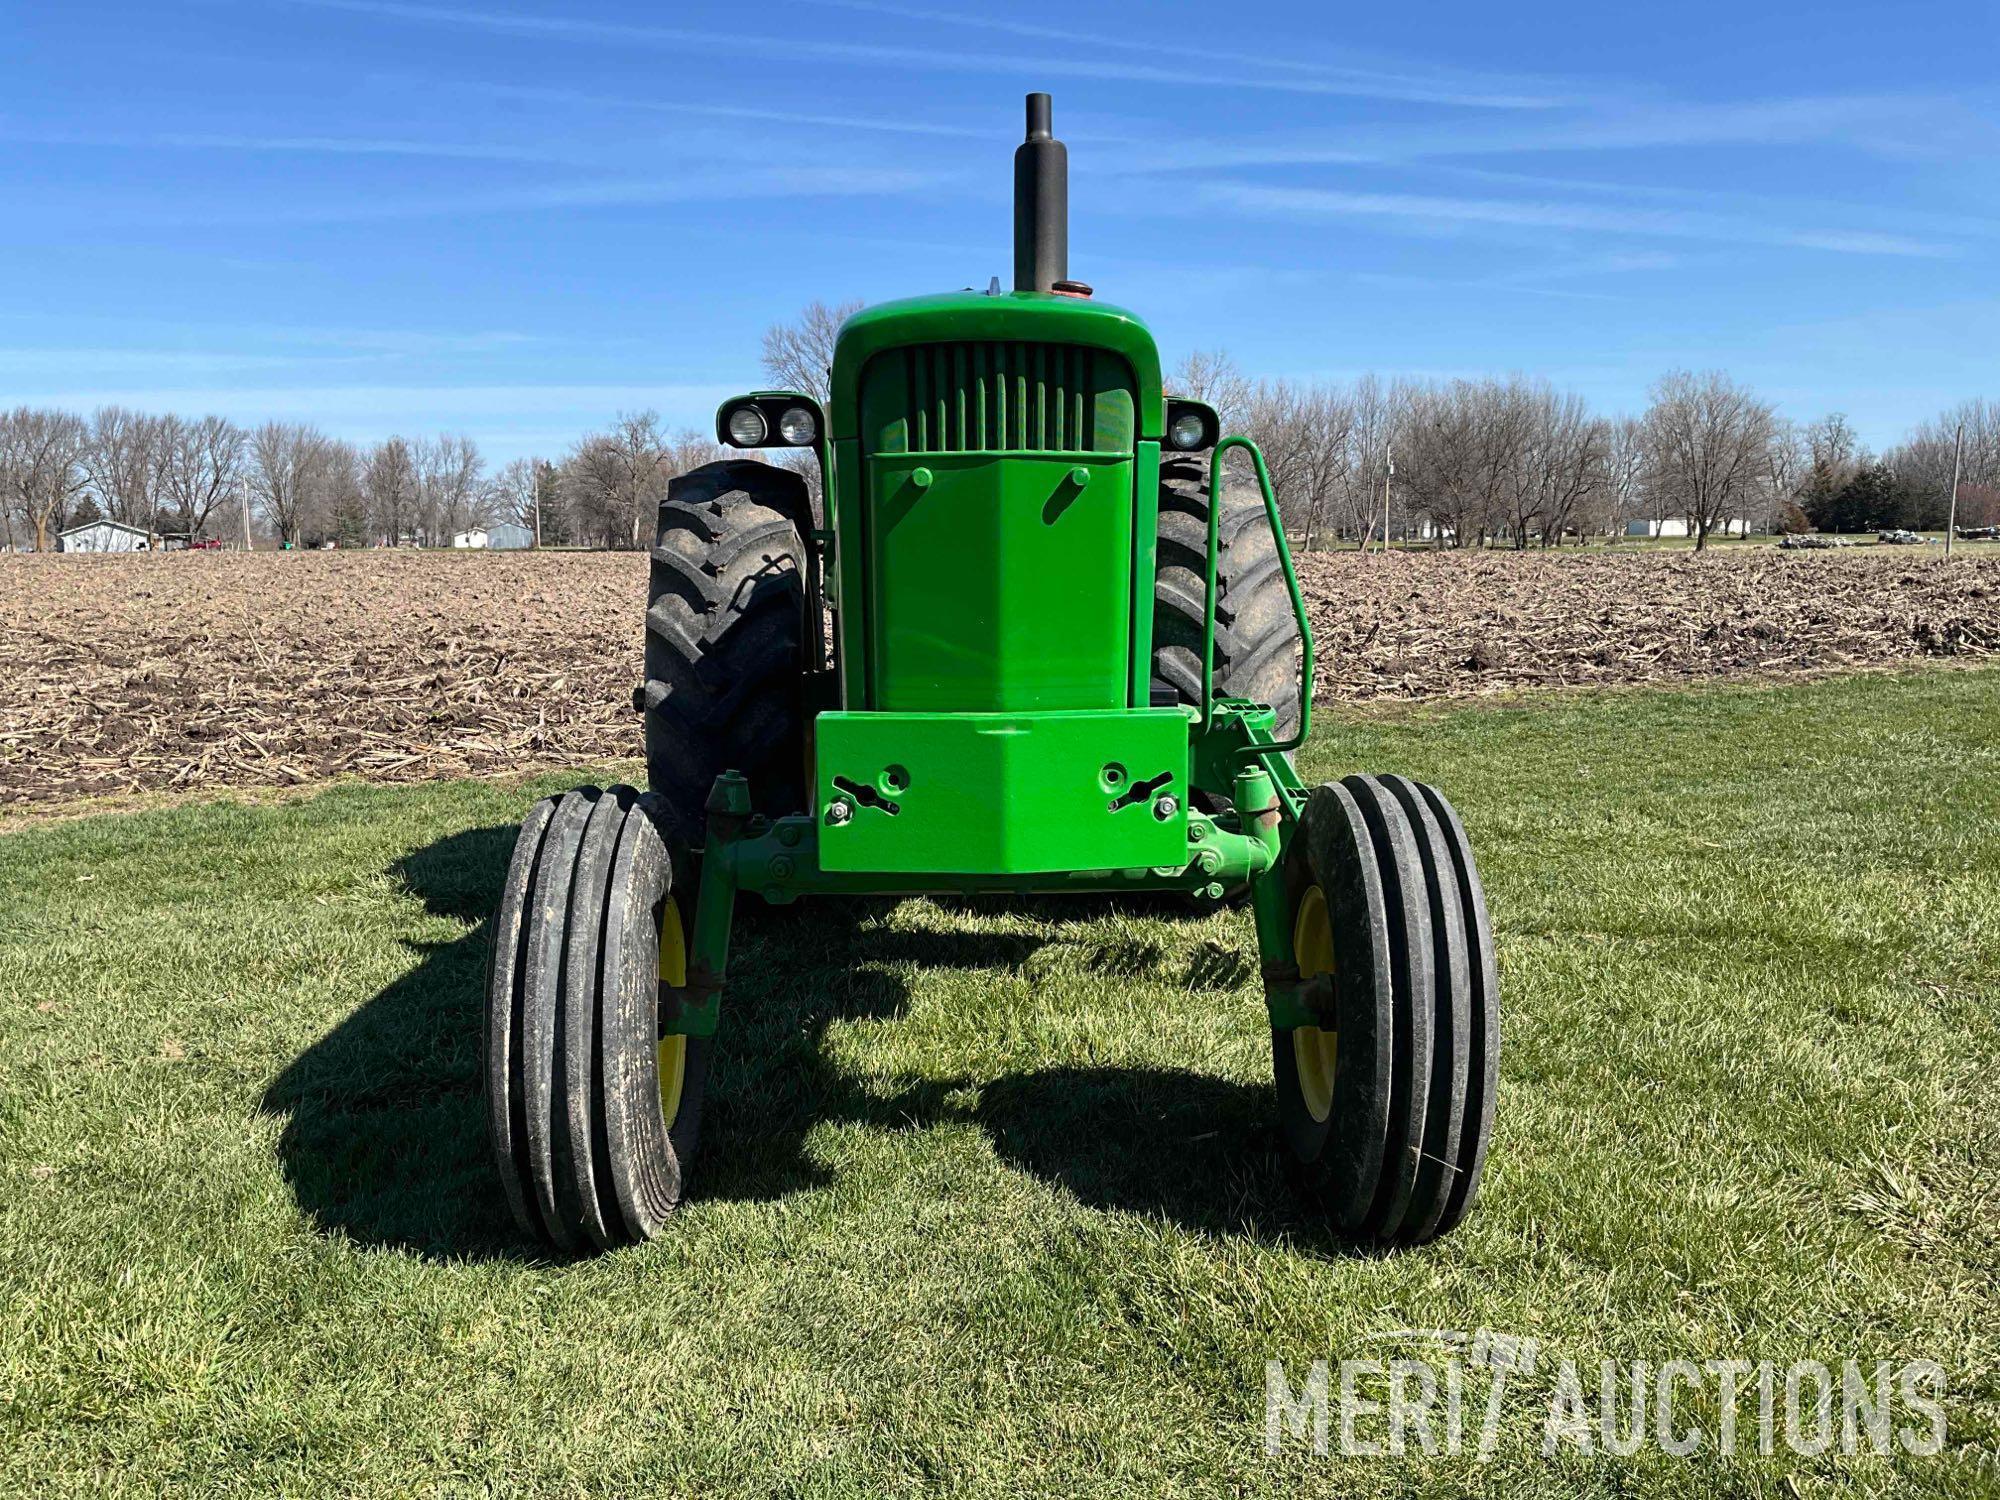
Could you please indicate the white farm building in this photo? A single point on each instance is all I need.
(104, 536)
(502, 536)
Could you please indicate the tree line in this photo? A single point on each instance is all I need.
(187, 478)
(1513, 462)
(1520, 463)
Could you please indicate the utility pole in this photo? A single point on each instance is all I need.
(243, 495)
(535, 479)
(1388, 473)
(1951, 508)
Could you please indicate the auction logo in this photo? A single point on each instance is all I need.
(1456, 1394)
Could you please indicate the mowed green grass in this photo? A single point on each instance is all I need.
(989, 1201)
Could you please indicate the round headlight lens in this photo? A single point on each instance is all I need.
(1186, 431)
(746, 427)
(797, 426)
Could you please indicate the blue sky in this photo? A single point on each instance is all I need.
(513, 218)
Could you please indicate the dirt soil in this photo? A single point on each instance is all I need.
(150, 673)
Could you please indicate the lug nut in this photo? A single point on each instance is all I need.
(838, 813)
(1165, 808)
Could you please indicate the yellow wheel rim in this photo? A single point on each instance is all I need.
(1313, 1049)
(673, 1049)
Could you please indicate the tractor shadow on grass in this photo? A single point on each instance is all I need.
(1199, 1151)
(384, 1141)
(385, 1131)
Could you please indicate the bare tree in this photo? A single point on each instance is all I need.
(798, 356)
(450, 495)
(1373, 411)
(525, 492)
(342, 509)
(616, 479)
(1437, 448)
(289, 467)
(200, 464)
(1573, 461)
(42, 456)
(1708, 442)
(1303, 432)
(389, 490)
(1923, 461)
(125, 459)
(1210, 375)
(1785, 463)
(1625, 473)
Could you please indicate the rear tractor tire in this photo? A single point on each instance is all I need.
(726, 634)
(592, 1114)
(1256, 637)
(1387, 1111)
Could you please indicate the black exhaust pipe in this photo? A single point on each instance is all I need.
(1041, 203)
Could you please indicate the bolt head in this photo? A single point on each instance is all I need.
(838, 813)
(1165, 808)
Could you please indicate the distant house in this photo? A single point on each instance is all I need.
(104, 536)
(502, 536)
(506, 536)
(1678, 526)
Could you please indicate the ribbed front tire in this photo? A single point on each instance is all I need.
(592, 1115)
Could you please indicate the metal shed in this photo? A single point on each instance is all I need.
(507, 536)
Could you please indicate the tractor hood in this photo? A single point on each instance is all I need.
(961, 317)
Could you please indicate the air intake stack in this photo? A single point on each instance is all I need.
(1041, 203)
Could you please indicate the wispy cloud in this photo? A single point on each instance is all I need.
(1432, 210)
(223, 350)
(967, 60)
(1886, 124)
(1377, 79)
(531, 93)
(179, 140)
(603, 193)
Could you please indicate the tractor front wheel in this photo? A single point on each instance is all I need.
(1387, 1105)
(592, 1114)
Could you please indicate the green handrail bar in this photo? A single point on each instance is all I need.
(1278, 747)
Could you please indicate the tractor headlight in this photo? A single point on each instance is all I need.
(1191, 426)
(747, 428)
(797, 426)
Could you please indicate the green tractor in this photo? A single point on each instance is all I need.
(1031, 644)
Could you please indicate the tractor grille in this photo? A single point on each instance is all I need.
(1003, 397)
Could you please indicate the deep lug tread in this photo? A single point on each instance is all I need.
(725, 641)
(1254, 622)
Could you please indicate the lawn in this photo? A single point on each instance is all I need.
(989, 1200)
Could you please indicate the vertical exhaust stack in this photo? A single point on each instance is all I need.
(1041, 203)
